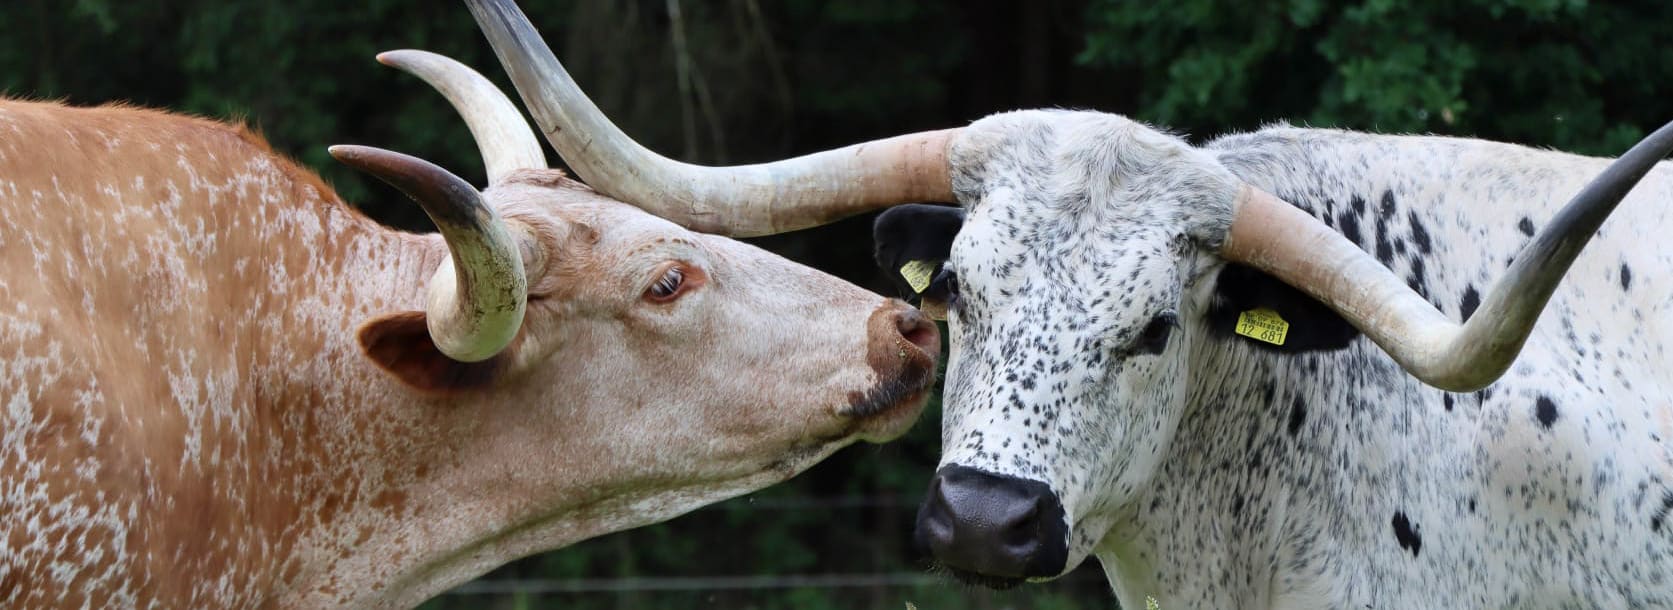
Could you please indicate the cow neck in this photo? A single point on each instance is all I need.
(335, 439)
(412, 493)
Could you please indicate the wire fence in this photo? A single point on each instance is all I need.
(861, 559)
(724, 583)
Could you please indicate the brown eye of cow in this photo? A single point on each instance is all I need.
(668, 286)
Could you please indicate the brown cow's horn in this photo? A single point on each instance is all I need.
(1279, 239)
(744, 200)
(476, 304)
(505, 139)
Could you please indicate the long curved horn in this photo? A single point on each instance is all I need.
(1279, 239)
(505, 139)
(475, 304)
(744, 200)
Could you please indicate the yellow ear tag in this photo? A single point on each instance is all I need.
(918, 274)
(1263, 325)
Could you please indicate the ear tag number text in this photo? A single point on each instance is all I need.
(1263, 325)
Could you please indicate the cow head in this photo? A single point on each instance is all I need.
(1071, 287)
(678, 368)
(1094, 260)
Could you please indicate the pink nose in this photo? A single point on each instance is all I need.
(918, 329)
(903, 346)
(904, 341)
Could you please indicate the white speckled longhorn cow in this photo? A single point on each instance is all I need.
(1436, 419)
(223, 388)
(1101, 401)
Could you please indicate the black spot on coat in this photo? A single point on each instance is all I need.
(1546, 411)
(1470, 302)
(1420, 235)
(1526, 226)
(1661, 512)
(1406, 534)
(1298, 415)
(1349, 225)
(1626, 277)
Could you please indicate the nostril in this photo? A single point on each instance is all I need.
(1021, 527)
(917, 328)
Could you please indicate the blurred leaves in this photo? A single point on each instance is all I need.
(1565, 73)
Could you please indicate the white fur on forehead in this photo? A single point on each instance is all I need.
(1116, 167)
(537, 186)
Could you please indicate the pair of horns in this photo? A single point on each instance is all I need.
(476, 303)
(815, 189)
(1266, 233)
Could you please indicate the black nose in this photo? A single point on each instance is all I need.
(994, 525)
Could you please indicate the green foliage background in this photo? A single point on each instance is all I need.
(766, 80)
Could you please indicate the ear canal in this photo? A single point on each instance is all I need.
(477, 300)
(400, 344)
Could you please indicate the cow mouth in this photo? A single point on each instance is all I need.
(997, 583)
(890, 396)
(889, 408)
(913, 376)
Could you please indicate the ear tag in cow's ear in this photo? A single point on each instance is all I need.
(936, 309)
(918, 274)
(1263, 325)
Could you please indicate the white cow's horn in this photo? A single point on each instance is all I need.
(745, 200)
(476, 304)
(1279, 239)
(505, 139)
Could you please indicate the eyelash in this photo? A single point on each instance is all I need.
(668, 286)
(1154, 337)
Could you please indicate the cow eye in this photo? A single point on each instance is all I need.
(1154, 338)
(668, 287)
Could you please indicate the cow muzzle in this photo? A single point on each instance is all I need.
(991, 529)
(902, 348)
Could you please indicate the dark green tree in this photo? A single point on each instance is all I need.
(1585, 77)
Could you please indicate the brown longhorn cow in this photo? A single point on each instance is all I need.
(222, 387)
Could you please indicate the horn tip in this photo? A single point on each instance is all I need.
(344, 152)
(400, 58)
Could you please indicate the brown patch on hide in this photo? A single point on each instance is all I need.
(901, 347)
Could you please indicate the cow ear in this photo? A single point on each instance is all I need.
(1272, 315)
(400, 344)
(912, 241)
